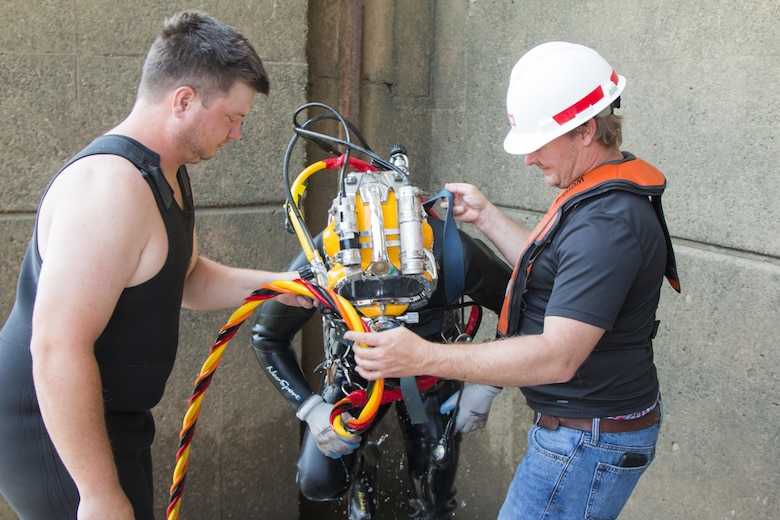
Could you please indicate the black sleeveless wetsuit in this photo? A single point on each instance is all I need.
(135, 353)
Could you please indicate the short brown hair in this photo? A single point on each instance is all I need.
(609, 130)
(198, 50)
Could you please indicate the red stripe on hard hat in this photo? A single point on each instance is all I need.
(583, 104)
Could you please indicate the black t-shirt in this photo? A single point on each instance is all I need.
(604, 267)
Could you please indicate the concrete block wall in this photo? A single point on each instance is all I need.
(701, 103)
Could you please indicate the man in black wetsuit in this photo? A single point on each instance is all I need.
(330, 465)
(92, 337)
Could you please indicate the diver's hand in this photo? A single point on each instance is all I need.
(474, 408)
(316, 412)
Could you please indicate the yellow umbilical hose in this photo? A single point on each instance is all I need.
(298, 189)
(226, 333)
(342, 306)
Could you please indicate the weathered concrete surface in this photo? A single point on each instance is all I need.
(701, 103)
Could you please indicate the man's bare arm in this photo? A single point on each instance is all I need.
(551, 357)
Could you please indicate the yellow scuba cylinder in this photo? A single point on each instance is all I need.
(379, 244)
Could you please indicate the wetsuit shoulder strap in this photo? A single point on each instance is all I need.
(147, 161)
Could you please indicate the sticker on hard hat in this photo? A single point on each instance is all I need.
(585, 103)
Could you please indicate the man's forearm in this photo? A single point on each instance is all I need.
(70, 398)
(506, 234)
(211, 285)
(551, 357)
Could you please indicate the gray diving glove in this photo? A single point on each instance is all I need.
(316, 412)
(475, 401)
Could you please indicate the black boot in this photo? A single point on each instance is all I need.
(363, 495)
(419, 510)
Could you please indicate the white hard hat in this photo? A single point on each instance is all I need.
(554, 88)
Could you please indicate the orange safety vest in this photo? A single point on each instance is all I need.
(635, 176)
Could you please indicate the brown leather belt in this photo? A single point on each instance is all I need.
(550, 422)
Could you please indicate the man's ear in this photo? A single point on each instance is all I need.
(182, 98)
(588, 131)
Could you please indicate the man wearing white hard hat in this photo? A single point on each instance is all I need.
(578, 321)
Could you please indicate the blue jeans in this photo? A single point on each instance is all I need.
(572, 474)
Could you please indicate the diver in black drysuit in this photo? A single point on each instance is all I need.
(432, 447)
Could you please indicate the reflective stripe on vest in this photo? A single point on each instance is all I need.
(634, 175)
